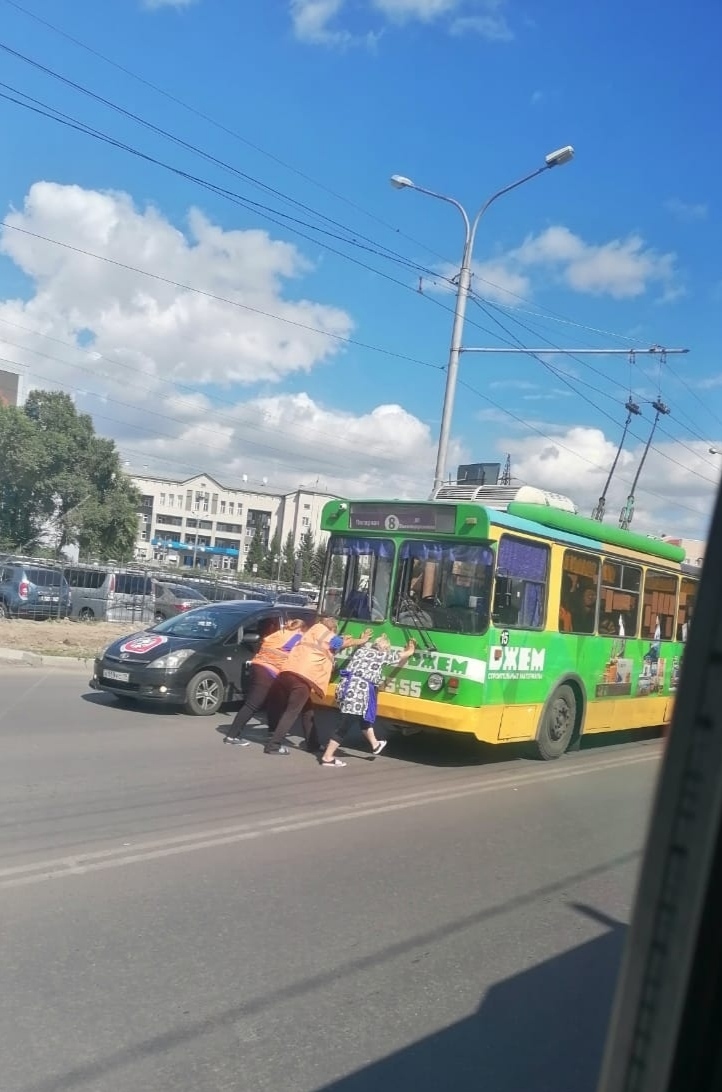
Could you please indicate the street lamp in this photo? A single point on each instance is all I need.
(400, 182)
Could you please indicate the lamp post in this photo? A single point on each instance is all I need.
(554, 159)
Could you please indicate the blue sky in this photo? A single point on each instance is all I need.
(316, 103)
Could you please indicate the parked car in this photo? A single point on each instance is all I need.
(29, 590)
(196, 659)
(292, 599)
(105, 593)
(218, 591)
(173, 599)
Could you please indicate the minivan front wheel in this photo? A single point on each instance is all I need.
(86, 615)
(204, 694)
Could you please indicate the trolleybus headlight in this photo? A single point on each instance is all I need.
(435, 681)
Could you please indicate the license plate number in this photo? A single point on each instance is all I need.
(117, 676)
(49, 598)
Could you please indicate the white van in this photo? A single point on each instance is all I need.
(108, 594)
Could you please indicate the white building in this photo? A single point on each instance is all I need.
(694, 548)
(198, 522)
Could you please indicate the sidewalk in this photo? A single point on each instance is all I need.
(15, 656)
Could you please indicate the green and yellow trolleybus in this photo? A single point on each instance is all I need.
(532, 623)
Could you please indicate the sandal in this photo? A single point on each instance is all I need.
(332, 762)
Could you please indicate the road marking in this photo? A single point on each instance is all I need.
(118, 857)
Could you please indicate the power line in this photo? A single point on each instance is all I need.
(54, 115)
(339, 445)
(209, 157)
(570, 383)
(341, 338)
(275, 216)
(565, 447)
(392, 255)
(220, 126)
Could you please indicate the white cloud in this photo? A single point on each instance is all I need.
(153, 363)
(575, 461)
(386, 451)
(167, 330)
(686, 210)
(620, 268)
(312, 21)
(317, 21)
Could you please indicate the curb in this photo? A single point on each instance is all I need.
(36, 659)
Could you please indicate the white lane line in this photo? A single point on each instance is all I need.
(118, 857)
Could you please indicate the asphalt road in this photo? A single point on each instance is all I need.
(182, 915)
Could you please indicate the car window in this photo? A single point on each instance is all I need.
(208, 622)
(44, 578)
(130, 584)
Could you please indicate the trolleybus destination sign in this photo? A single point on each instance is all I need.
(402, 517)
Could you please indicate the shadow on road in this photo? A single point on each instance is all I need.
(427, 748)
(541, 1031)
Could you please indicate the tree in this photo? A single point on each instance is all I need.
(318, 565)
(269, 566)
(256, 552)
(306, 553)
(25, 503)
(288, 559)
(57, 478)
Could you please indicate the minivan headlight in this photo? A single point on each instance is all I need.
(172, 660)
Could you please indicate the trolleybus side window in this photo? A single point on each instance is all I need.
(619, 601)
(659, 605)
(687, 593)
(520, 587)
(358, 578)
(444, 586)
(578, 602)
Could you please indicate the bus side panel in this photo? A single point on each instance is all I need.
(519, 722)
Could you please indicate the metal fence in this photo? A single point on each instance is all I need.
(36, 587)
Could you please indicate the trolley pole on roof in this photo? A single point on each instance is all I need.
(627, 513)
(444, 439)
(632, 410)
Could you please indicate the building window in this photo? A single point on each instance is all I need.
(171, 499)
(223, 508)
(305, 521)
(307, 507)
(162, 500)
(230, 508)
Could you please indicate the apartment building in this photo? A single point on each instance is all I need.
(199, 523)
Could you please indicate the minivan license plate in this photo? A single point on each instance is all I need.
(117, 676)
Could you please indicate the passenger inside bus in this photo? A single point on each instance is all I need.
(585, 607)
(565, 604)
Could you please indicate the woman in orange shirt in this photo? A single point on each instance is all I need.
(264, 670)
(307, 671)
